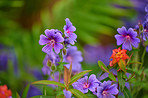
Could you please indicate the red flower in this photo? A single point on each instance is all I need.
(117, 55)
(4, 92)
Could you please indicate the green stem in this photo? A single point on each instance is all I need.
(136, 58)
(142, 58)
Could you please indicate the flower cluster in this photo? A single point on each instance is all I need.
(4, 92)
(102, 90)
(118, 55)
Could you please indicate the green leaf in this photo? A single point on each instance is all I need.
(78, 93)
(121, 80)
(47, 82)
(17, 95)
(103, 67)
(60, 96)
(78, 76)
(112, 77)
(25, 92)
(126, 92)
(43, 96)
(122, 65)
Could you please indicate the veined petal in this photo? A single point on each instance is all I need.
(135, 42)
(72, 28)
(122, 30)
(127, 45)
(43, 40)
(73, 36)
(58, 47)
(58, 37)
(119, 38)
(132, 33)
(47, 49)
(113, 89)
(50, 33)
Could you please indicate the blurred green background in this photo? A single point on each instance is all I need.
(22, 22)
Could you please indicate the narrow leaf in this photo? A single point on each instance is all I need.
(25, 92)
(78, 93)
(43, 96)
(121, 80)
(17, 95)
(60, 96)
(78, 76)
(70, 69)
(111, 76)
(103, 67)
(126, 92)
(47, 82)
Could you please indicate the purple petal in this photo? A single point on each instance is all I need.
(71, 41)
(68, 23)
(43, 40)
(47, 49)
(99, 92)
(127, 45)
(50, 33)
(46, 70)
(122, 30)
(132, 33)
(72, 28)
(113, 89)
(135, 42)
(67, 94)
(109, 96)
(146, 8)
(73, 36)
(58, 47)
(58, 37)
(119, 38)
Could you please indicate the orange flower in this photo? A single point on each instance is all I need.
(4, 92)
(117, 55)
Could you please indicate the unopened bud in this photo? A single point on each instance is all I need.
(64, 51)
(53, 67)
(49, 63)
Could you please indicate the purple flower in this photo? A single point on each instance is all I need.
(33, 91)
(68, 31)
(73, 56)
(67, 94)
(53, 40)
(84, 84)
(127, 38)
(106, 90)
(145, 30)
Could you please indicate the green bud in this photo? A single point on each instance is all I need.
(49, 63)
(53, 67)
(64, 51)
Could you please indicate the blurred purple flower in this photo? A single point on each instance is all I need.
(145, 30)
(146, 48)
(73, 56)
(7, 54)
(127, 38)
(106, 90)
(53, 40)
(67, 94)
(68, 31)
(94, 53)
(85, 84)
(33, 91)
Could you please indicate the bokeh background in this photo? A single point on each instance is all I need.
(96, 22)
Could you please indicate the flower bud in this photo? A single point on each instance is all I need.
(49, 63)
(53, 67)
(64, 51)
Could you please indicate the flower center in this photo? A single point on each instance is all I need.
(86, 85)
(128, 37)
(104, 93)
(52, 42)
(69, 58)
(68, 31)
